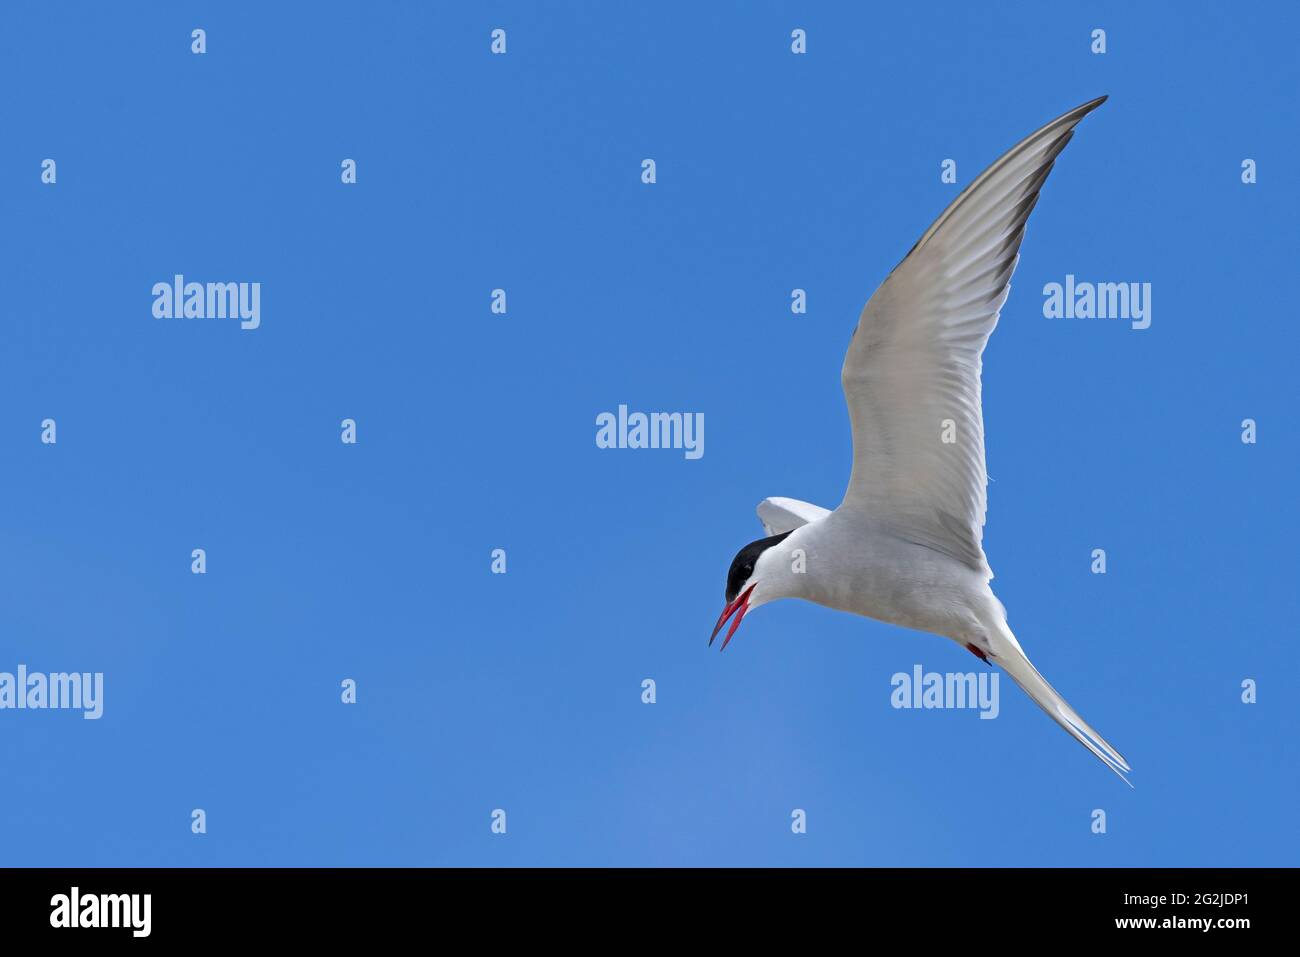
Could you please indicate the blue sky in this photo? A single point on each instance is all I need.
(476, 431)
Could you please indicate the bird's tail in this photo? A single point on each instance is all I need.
(1012, 658)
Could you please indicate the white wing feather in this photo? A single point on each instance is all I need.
(781, 515)
(912, 373)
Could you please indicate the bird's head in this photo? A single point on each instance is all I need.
(753, 579)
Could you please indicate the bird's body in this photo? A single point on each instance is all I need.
(905, 545)
(856, 565)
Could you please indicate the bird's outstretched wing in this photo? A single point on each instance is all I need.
(781, 515)
(912, 373)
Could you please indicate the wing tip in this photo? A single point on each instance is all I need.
(1082, 110)
(1059, 130)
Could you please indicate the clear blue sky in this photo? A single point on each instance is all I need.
(523, 691)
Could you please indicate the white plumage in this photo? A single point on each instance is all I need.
(905, 544)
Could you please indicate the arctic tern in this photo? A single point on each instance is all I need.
(905, 544)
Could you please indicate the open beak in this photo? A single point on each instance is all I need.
(738, 607)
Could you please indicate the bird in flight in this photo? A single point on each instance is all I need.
(904, 547)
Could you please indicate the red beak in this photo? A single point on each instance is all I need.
(739, 607)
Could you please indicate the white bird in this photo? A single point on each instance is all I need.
(904, 546)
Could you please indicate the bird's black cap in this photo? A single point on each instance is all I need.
(742, 566)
